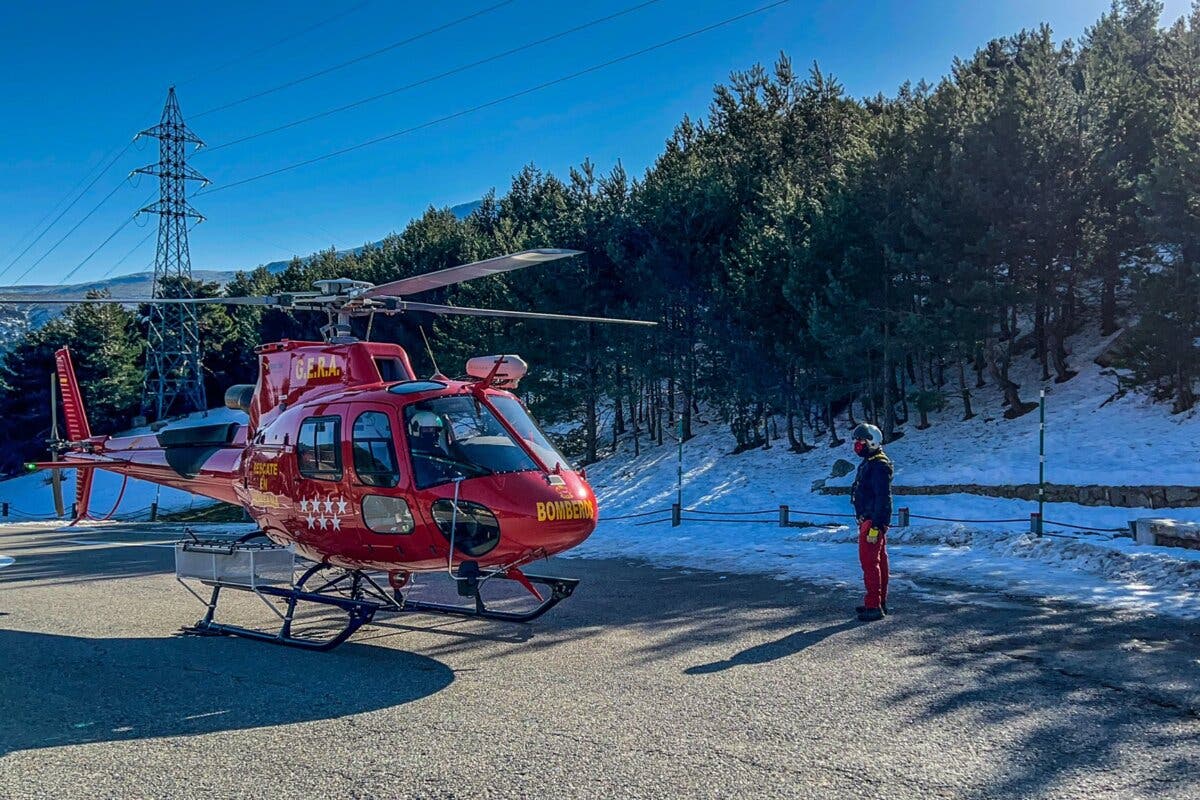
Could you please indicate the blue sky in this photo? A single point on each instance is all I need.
(82, 78)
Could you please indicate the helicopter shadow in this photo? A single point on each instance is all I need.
(65, 690)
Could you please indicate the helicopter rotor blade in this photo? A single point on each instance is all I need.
(466, 311)
(466, 272)
(275, 300)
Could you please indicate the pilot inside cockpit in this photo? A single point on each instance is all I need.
(427, 439)
(427, 434)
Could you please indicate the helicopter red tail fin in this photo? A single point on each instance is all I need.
(74, 412)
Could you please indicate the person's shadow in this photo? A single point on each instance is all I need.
(772, 651)
(61, 690)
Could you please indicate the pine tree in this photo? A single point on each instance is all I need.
(1123, 118)
(1165, 346)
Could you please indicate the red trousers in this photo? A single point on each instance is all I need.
(874, 560)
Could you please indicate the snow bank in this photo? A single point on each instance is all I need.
(1111, 573)
(1090, 439)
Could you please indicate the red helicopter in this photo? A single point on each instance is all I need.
(352, 462)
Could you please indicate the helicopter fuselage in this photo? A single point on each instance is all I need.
(355, 462)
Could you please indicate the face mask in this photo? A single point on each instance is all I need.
(860, 447)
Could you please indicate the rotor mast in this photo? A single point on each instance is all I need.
(174, 382)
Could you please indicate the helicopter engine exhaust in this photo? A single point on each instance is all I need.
(238, 397)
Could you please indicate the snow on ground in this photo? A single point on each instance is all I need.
(1128, 441)
(30, 497)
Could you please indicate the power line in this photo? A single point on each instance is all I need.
(46, 230)
(498, 101)
(98, 248)
(354, 60)
(113, 158)
(246, 56)
(133, 250)
(64, 199)
(431, 79)
(64, 237)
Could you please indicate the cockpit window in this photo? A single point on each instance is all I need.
(458, 437)
(524, 425)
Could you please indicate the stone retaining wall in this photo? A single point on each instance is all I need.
(1116, 496)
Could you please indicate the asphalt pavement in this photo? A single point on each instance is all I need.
(647, 683)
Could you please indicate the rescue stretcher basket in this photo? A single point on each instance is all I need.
(248, 564)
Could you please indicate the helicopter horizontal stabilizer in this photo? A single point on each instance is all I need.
(36, 465)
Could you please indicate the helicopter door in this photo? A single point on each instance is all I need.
(323, 505)
(379, 478)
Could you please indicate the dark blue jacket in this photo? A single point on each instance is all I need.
(872, 489)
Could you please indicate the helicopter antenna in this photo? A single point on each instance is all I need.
(429, 350)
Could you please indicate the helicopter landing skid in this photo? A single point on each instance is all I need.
(358, 613)
(265, 569)
(468, 586)
(260, 569)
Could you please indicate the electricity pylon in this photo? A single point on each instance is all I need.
(174, 383)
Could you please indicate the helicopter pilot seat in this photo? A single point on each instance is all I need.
(432, 461)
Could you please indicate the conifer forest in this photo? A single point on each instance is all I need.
(812, 258)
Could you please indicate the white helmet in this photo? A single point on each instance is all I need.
(866, 432)
(425, 422)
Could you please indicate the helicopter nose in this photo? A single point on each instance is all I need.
(563, 514)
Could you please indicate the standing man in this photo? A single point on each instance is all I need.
(872, 498)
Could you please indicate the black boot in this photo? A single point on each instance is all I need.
(870, 614)
(882, 607)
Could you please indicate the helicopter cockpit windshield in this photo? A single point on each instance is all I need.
(458, 437)
(528, 430)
